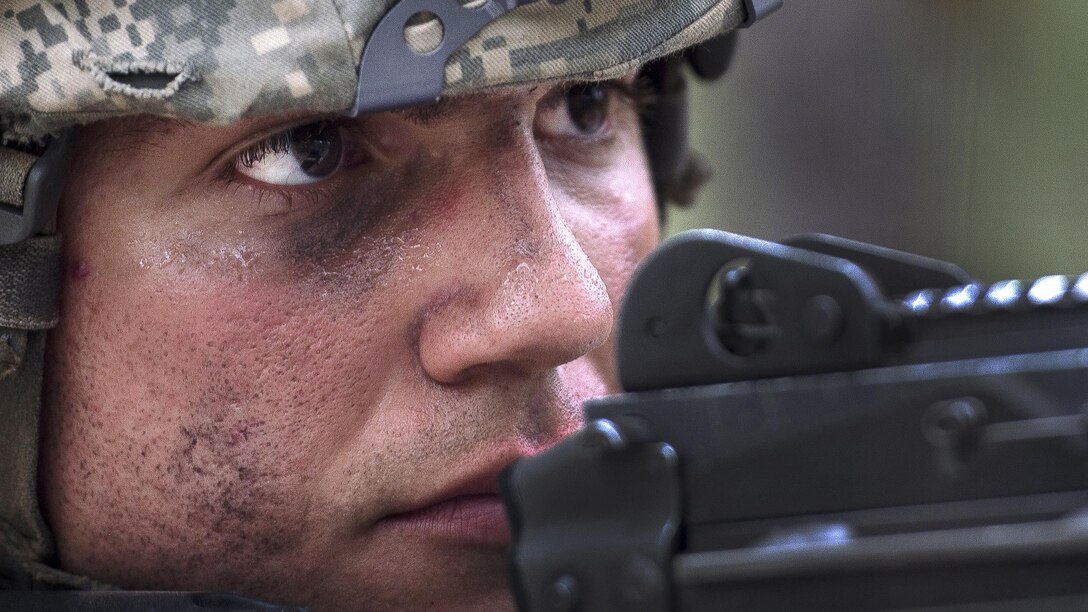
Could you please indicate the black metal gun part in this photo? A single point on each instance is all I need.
(820, 424)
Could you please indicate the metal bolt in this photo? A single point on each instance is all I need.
(563, 595)
(741, 315)
(822, 318)
(11, 351)
(662, 460)
(954, 423)
(642, 585)
(954, 428)
(603, 433)
(656, 327)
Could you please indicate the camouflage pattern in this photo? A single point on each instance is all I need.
(68, 62)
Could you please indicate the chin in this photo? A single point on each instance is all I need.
(498, 601)
(419, 597)
(445, 578)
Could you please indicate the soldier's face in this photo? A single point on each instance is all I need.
(296, 353)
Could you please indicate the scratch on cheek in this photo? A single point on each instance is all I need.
(241, 431)
(79, 270)
(225, 482)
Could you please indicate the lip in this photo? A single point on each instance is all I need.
(474, 519)
(468, 512)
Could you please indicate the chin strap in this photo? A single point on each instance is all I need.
(679, 172)
(29, 282)
(30, 273)
(30, 188)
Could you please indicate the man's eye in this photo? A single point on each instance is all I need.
(580, 110)
(587, 106)
(299, 156)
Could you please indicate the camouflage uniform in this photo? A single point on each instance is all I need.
(71, 62)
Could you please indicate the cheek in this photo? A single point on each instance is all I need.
(614, 216)
(219, 354)
(616, 221)
(197, 418)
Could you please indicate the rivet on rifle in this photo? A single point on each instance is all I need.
(12, 347)
(954, 423)
(641, 584)
(1048, 290)
(920, 302)
(563, 595)
(656, 327)
(1080, 288)
(959, 299)
(954, 428)
(1004, 294)
(604, 433)
(823, 319)
(740, 314)
(663, 459)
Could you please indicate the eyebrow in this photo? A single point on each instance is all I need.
(151, 132)
(429, 113)
(154, 132)
(426, 114)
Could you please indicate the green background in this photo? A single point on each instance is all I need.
(958, 130)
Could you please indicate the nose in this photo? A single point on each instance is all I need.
(527, 297)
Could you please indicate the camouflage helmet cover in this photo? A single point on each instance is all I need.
(75, 61)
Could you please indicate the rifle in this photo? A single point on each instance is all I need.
(820, 424)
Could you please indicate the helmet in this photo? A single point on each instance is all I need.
(70, 63)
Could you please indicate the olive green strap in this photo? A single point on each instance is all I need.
(27, 552)
(14, 168)
(31, 188)
(30, 283)
(24, 538)
(29, 298)
(29, 305)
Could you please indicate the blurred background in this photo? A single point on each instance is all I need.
(957, 130)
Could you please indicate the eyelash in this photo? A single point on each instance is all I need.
(285, 196)
(279, 143)
(639, 93)
(276, 144)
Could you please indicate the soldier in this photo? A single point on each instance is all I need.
(309, 314)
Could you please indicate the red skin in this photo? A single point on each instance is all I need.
(239, 400)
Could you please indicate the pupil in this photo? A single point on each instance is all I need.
(588, 107)
(318, 148)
